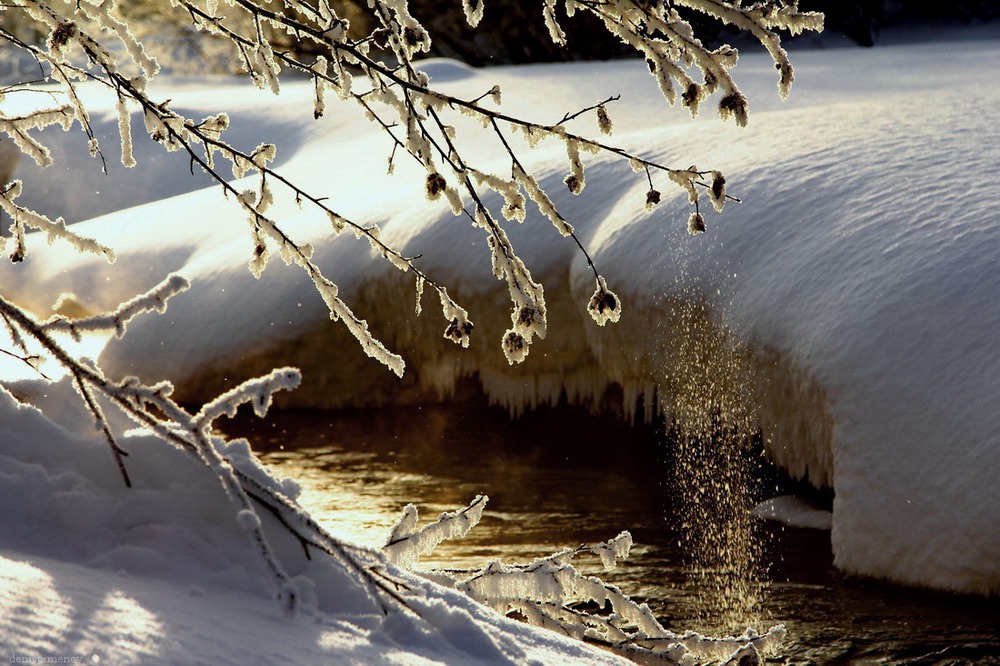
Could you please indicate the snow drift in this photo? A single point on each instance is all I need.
(857, 285)
(161, 572)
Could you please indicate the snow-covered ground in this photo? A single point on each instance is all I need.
(162, 573)
(858, 282)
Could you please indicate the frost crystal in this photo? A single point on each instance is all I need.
(718, 191)
(652, 198)
(459, 327)
(515, 346)
(473, 11)
(575, 180)
(612, 551)
(604, 305)
(734, 105)
(319, 98)
(604, 120)
(555, 32)
(436, 184)
(696, 224)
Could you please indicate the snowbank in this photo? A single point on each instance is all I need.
(162, 573)
(857, 285)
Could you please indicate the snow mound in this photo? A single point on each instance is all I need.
(794, 512)
(856, 286)
(441, 70)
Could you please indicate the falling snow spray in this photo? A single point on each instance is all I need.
(706, 392)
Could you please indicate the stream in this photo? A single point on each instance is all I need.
(560, 477)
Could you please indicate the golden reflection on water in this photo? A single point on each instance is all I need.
(357, 472)
(551, 487)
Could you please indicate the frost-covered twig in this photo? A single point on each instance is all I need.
(406, 543)
(551, 593)
(153, 300)
(397, 86)
(153, 408)
(31, 360)
(88, 41)
(22, 218)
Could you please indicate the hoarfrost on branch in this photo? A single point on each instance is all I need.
(94, 41)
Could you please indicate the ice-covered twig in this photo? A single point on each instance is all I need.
(153, 300)
(31, 360)
(654, 29)
(24, 217)
(258, 392)
(17, 128)
(551, 593)
(152, 407)
(406, 543)
(394, 84)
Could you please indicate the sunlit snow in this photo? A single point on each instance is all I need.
(858, 280)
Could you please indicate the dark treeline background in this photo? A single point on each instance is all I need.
(512, 31)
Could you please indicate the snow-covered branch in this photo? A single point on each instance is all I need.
(378, 73)
(24, 218)
(551, 593)
(153, 300)
(153, 408)
(406, 543)
(398, 97)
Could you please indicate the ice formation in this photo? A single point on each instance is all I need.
(858, 281)
(795, 512)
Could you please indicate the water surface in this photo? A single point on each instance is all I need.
(558, 478)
